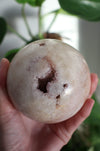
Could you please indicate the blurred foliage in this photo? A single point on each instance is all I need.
(86, 9)
(10, 54)
(3, 28)
(31, 2)
(87, 137)
(76, 143)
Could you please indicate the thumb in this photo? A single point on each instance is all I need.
(4, 65)
(5, 103)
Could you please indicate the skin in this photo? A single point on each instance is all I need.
(19, 133)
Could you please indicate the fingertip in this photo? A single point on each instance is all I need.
(94, 74)
(94, 77)
(3, 61)
(4, 65)
(90, 102)
(94, 83)
(88, 106)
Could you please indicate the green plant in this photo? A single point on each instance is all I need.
(87, 137)
(87, 9)
(4, 26)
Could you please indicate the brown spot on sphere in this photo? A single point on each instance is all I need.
(48, 81)
(58, 97)
(65, 85)
(42, 44)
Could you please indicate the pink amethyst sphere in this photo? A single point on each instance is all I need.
(48, 81)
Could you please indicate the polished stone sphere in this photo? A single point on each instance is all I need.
(48, 81)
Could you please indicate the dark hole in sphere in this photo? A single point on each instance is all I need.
(42, 82)
(58, 97)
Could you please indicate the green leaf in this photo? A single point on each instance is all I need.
(86, 9)
(10, 54)
(31, 2)
(34, 39)
(3, 29)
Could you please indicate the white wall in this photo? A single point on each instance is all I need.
(89, 45)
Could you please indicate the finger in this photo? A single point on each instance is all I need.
(4, 65)
(94, 82)
(73, 123)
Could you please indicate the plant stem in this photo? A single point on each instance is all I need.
(55, 16)
(49, 13)
(40, 22)
(15, 32)
(25, 20)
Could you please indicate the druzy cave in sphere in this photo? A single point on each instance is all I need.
(48, 81)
